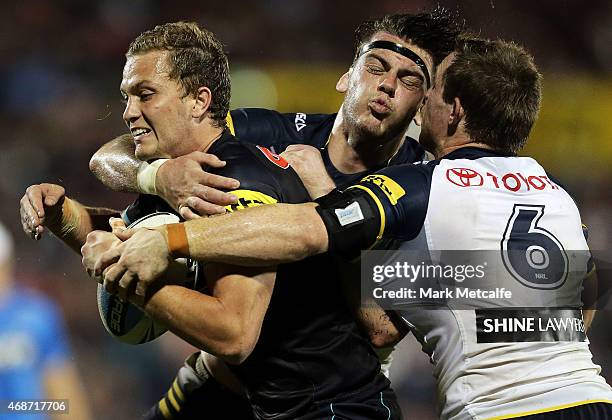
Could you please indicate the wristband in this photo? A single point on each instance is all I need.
(147, 173)
(352, 220)
(177, 240)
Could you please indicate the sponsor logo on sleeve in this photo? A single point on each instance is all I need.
(350, 214)
(388, 186)
(274, 158)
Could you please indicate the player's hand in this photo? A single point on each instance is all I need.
(117, 225)
(98, 242)
(309, 165)
(189, 189)
(136, 264)
(41, 206)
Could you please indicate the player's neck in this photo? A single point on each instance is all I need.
(350, 155)
(207, 136)
(448, 148)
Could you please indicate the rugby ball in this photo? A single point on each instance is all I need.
(125, 321)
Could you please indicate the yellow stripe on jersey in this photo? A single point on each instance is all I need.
(230, 123)
(177, 390)
(249, 198)
(163, 407)
(173, 400)
(391, 188)
(549, 409)
(381, 210)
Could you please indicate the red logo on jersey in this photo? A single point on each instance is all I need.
(464, 177)
(274, 158)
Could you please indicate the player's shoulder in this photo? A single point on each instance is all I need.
(278, 129)
(258, 169)
(525, 169)
(299, 120)
(407, 174)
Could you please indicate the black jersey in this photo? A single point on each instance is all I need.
(276, 131)
(310, 352)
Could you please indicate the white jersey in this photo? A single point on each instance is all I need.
(494, 355)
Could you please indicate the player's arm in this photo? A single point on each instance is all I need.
(46, 206)
(174, 180)
(384, 328)
(259, 236)
(589, 293)
(342, 223)
(589, 298)
(115, 164)
(228, 322)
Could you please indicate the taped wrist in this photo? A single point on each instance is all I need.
(352, 221)
(178, 245)
(147, 174)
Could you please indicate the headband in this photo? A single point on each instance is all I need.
(400, 49)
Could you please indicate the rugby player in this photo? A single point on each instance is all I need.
(176, 87)
(478, 115)
(353, 142)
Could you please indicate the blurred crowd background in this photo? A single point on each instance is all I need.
(59, 101)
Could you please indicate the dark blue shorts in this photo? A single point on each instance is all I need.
(382, 406)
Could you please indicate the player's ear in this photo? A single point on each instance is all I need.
(418, 117)
(457, 113)
(342, 85)
(202, 102)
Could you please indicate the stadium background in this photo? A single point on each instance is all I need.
(60, 71)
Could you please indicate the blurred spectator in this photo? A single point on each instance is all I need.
(34, 355)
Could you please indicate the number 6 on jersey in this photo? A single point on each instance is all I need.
(533, 255)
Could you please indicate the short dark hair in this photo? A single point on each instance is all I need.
(197, 59)
(436, 32)
(499, 87)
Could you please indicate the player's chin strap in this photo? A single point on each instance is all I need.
(400, 49)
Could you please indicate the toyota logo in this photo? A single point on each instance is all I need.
(464, 177)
